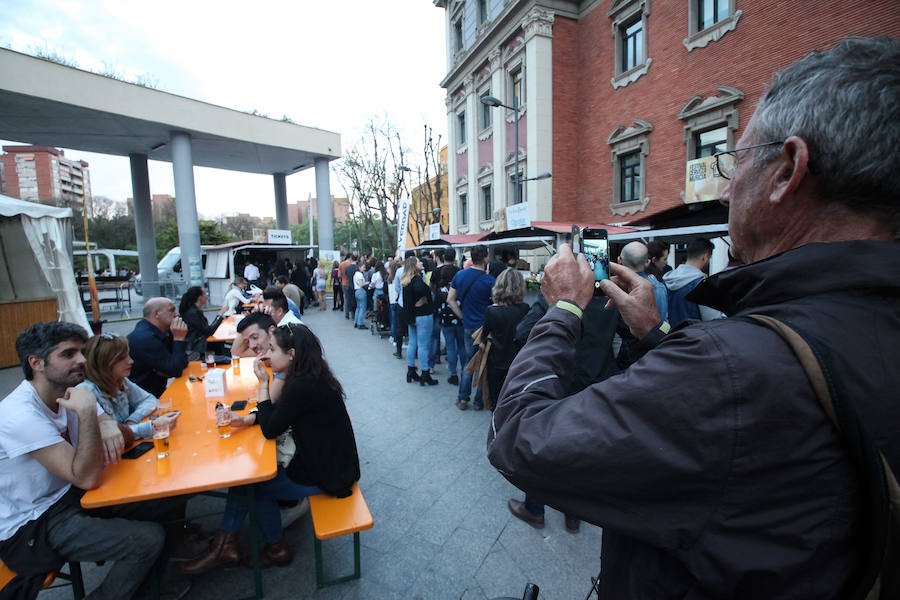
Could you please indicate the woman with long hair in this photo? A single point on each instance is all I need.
(191, 312)
(106, 369)
(311, 406)
(397, 324)
(236, 295)
(359, 293)
(500, 320)
(337, 296)
(320, 274)
(419, 320)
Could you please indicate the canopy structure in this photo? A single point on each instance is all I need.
(36, 272)
(46, 103)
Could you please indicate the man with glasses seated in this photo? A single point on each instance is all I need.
(710, 463)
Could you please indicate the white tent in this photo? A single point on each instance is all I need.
(36, 257)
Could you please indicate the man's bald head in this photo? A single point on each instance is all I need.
(155, 304)
(160, 312)
(634, 256)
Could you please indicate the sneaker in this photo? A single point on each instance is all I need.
(462, 404)
(453, 380)
(289, 514)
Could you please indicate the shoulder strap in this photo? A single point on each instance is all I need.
(880, 577)
(469, 287)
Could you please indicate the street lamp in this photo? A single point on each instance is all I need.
(495, 102)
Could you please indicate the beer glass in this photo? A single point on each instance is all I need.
(161, 437)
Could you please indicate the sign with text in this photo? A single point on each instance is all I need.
(434, 231)
(702, 181)
(259, 236)
(402, 227)
(517, 216)
(279, 236)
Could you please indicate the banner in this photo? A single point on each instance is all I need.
(517, 216)
(434, 231)
(702, 181)
(279, 236)
(402, 227)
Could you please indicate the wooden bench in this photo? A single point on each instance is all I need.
(74, 577)
(334, 517)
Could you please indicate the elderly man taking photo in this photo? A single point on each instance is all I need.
(710, 463)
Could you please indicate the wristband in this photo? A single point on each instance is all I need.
(664, 327)
(571, 307)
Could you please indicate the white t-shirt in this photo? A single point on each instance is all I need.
(359, 281)
(377, 281)
(251, 272)
(27, 489)
(234, 299)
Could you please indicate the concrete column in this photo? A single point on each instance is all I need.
(281, 211)
(452, 197)
(143, 225)
(498, 127)
(186, 209)
(323, 206)
(476, 208)
(538, 26)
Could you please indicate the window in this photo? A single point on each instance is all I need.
(463, 209)
(708, 21)
(487, 203)
(457, 36)
(516, 88)
(630, 147)
(482, 11)
(710, 123)
(630, 177)
(632, 36)
(486, 110)
(707, 143)
(461, 128)
(710, 12)
(516, 184)
(630, 30)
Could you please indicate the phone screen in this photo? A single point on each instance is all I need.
(576, 240)
(239, 405)
(138, 450)
(596, 251)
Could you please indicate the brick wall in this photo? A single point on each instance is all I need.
(769, 36)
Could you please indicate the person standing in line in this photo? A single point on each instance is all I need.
(659, 255)
(359, 292)
(419, 317)
(451, 325)
(337, 294)
(468, 298)
(320, 275)
(349, 291)
(500, 321)
(398, 325)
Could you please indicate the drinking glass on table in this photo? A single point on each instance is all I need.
(223, 421)
(210, 360)
(161, 437)
(252, 395)
(164, 406)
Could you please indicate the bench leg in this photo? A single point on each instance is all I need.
(77, 580)
(320, 571)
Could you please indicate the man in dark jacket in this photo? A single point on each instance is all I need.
(710, 463)
(157, 346)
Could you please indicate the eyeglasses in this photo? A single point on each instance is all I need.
(726, 161)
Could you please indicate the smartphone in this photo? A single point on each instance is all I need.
(239, 405)
(596, 251)
(576, 239)
(138, 450)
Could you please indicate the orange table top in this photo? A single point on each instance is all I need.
(199, 460)
(226, 330)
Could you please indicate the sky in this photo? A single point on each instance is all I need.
(331, 64)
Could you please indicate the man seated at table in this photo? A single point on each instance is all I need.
(51, 449)
(275, 303)
(252, 339)
(157, 346)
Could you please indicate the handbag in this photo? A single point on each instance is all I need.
(880, 578)
(285, 448)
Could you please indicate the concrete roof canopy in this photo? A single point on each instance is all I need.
(45, 103)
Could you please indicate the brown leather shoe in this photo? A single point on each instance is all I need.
(517, 508)
(572, 525)
(223, 549)
(275, 554)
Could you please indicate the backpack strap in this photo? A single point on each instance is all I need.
(880, 575)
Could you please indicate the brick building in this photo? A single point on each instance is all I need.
(43, 174)
(298, 212)
(615, 96)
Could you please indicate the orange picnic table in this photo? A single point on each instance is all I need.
(226, 330)
(199, 460)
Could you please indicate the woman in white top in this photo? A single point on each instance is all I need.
(320, 274)
(235, 297)
(359, 291)
(393, 295)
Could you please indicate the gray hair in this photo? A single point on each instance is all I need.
(154, 304)
(509, 288)
(634, 256)
(844, 104)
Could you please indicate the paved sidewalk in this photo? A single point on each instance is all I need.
(442, 529)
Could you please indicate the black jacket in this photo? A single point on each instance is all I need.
(157, 356)
(198, 328)
(326, 453)
(709, 463)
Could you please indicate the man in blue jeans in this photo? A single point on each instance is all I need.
(468, 298)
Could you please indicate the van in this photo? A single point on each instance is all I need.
(171, 279)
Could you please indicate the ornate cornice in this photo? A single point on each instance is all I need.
(538, 21)
(495, 56)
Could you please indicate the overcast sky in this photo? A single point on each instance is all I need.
(331, 64)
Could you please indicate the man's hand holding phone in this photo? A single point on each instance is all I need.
(633, 296)
(567, 278)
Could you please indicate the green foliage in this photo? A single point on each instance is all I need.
(210, 234)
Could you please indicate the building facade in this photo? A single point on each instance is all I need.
(44, 174)
(298, 212)
(429, 205)
(614, 96)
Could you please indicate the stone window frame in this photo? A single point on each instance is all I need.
(462, 139)
(701, 114)
(484, 131)
(486, 182)
(462, 202)
(700, 38)
(622, 12)
(624, 141)
(510, 187)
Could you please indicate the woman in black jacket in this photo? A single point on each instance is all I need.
(191, 311)
(311, 406)
(419, 320)
(500, 320)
